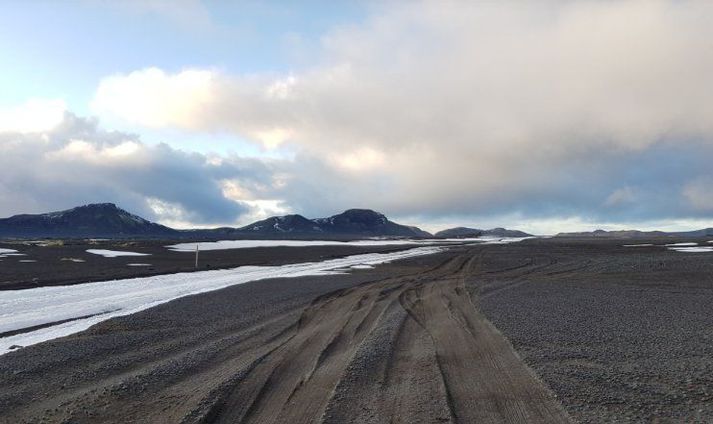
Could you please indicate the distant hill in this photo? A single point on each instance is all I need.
(463, 232)
(353, 222)
(106, 220)
(367, 222)
(95, 220)
(706, 232)
(282, 224)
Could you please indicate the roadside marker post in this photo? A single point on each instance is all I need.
(197, 244)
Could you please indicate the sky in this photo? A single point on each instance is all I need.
(545, 116)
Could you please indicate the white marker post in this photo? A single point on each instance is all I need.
(197, 244)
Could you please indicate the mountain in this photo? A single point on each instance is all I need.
(459, 232)
(282, 224)
(367, 222)
(106, 220)
(463, 232)
(706, 232)
(94, 220)
(350, 223)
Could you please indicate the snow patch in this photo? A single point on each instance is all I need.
(246, 244)
(682, 244)
(138, 264)
(7, 255)
(77, 260)
(697, 249)
(103, 300)
(638, 245)
(115, 253)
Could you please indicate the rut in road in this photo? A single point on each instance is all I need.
(403, 350)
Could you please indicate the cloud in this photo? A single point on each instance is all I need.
(465, 107)
(77, 163)
(620, 196)
(699, 194)
(152, 98)
(35, 115)
(500, 112)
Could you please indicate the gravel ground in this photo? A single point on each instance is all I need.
(67, 262)
(616, 334)
(407, 346)
(619, 334)
(159, 359)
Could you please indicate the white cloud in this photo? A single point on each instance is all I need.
(33, 116)
(462, 105)
(273, 138)
(172, 214)
(544, 108)
(152, 98)
(282, 88)
(360, 159)
(77, 163)
(89, 151)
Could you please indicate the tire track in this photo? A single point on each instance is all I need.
(413, 348)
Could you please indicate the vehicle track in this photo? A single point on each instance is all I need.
(411, 348)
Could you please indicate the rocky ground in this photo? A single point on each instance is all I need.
(66, 262)
(601, 333)
(619, 334)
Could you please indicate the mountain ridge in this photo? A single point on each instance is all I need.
(599, 233)
(462, 232)
(92, 220)
(106, 220)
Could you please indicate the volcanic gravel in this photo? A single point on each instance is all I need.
(619, 334)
